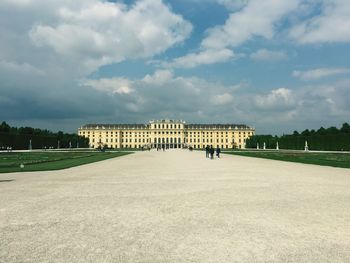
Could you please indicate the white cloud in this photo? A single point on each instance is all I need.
(110, 85)
(233, 4)
(319, 73)
(160, 77)
(99, 33)
(163, 93)
(204, 57)
(268, 55)
(257, 18)
(222, 99)
(278, 99)
(332, 25)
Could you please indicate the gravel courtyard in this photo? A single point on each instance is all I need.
(177, 206)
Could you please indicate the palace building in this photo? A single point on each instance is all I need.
(166, 133)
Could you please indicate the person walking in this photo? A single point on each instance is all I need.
(207, 151)
(211, 152)
(218, 151)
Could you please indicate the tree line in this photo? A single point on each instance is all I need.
(20, 138)
(323, 139)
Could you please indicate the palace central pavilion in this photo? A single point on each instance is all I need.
(168, 134)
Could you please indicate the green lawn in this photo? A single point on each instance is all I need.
(327, 159)
(44, 161)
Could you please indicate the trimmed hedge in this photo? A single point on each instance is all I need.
(330, 139)
(21, 141)
(19, 138)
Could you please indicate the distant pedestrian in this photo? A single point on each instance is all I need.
(218, 151)
(211, 152)
(163, 147)
(207, 151)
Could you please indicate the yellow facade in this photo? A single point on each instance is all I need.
(167, 133)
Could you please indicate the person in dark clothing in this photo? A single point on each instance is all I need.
(207, 151)
(211, 152)
(163, 147)
(218, 151)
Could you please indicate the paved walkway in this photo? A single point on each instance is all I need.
(177, 206)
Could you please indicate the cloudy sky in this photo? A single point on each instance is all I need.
(277, 65)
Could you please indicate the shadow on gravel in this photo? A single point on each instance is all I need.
(7, 181)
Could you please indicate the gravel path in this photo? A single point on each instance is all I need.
(177, 206)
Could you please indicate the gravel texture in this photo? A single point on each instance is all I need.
(177, 206)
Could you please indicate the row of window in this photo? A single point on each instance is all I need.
(166, 126)
(167, 140)
(164, 140)
(209, 140)
(167, 132)
(171, 133)
(128, 146)
(124, 140)
(116, 133)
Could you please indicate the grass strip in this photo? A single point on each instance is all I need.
(341, 160)
(51, 161)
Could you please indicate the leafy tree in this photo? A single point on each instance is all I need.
(332, 130)
(321, 131)
(306, 133)
(4, 127)
(345, 128)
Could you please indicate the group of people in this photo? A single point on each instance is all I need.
(161, 148)
(209, 152)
